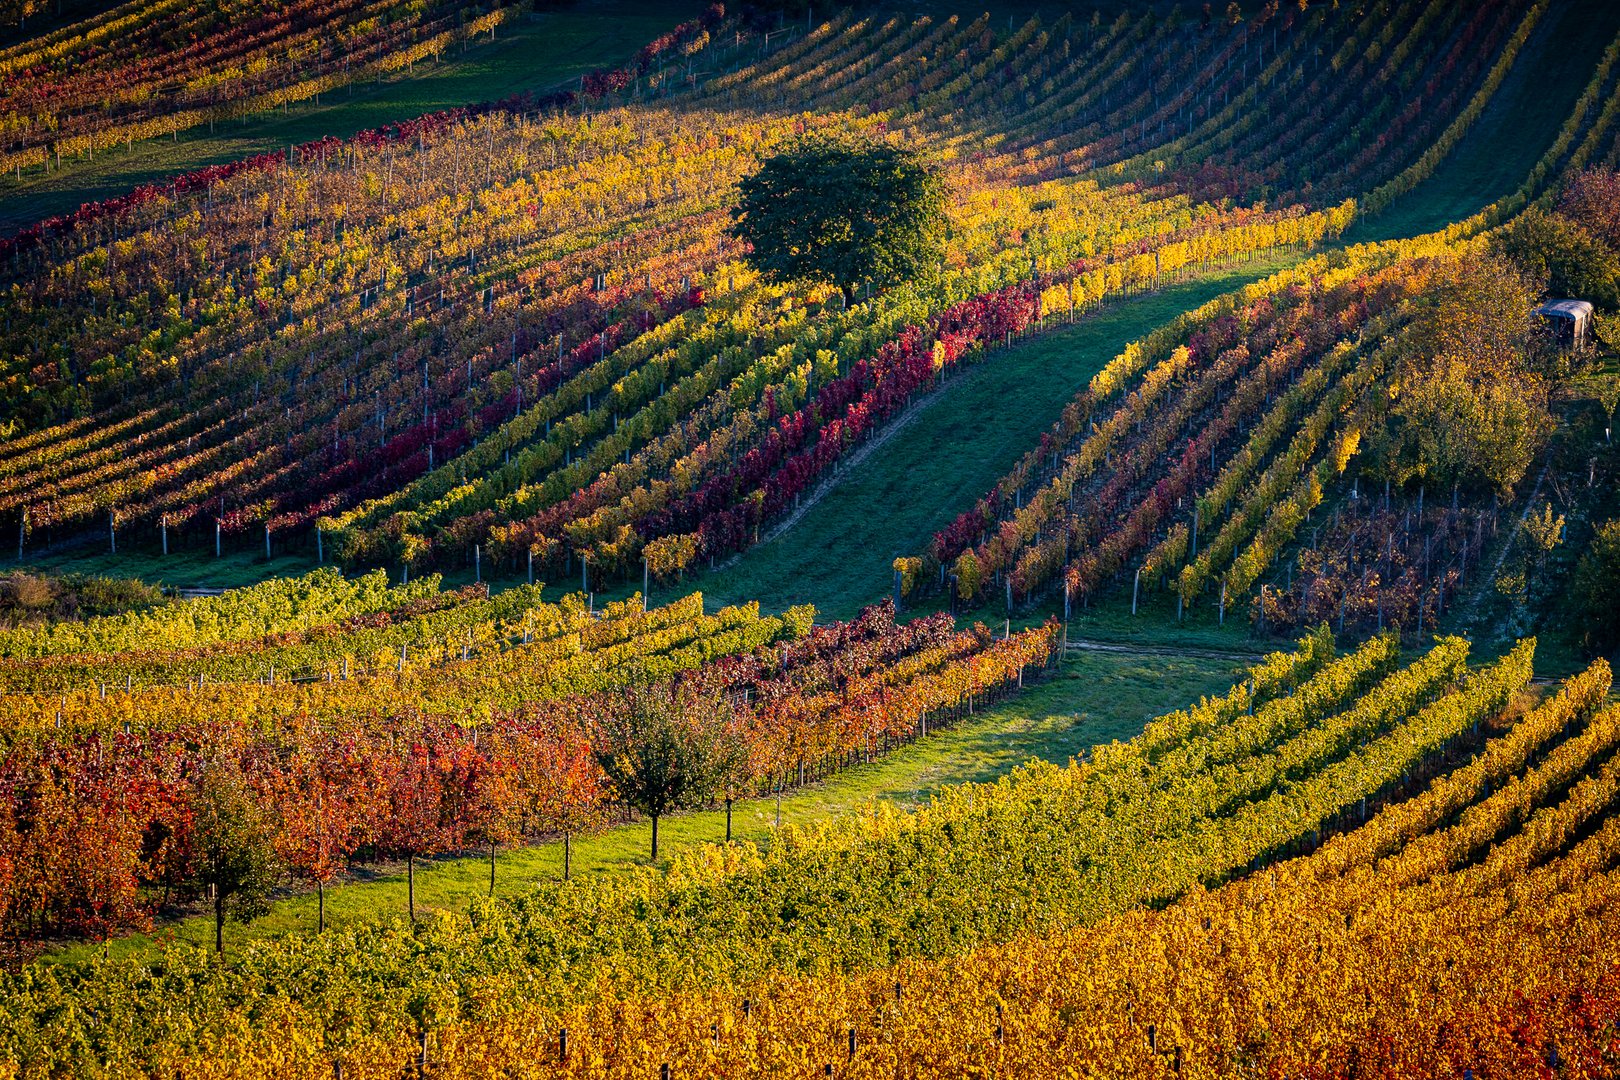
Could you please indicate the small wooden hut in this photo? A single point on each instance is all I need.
(1569, 322)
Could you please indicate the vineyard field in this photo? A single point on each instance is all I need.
(526, 56)
(753, 540)
(992, 412)
(1494, 158)
(1052, 722)
(493, 494)
(1298, 717)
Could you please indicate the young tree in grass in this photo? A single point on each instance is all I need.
(841, 211)
(413, 781)
(232, 848)
(484, 796)
(322, 801)
(557, 781)
(666, 750)
(746, 758)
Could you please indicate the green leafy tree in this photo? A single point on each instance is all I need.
(1605, 387)
(840, 211)
(1469, 403)
(667, 750)
(1463, 427)
(1597, 589)
(1565, 255)
(232, 846)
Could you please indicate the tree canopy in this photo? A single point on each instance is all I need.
(1597, 589)
(1564, 256)
(841, 211)
(1468, 404)
(234, 854)
(668, 750)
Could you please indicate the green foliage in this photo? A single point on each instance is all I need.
(842, 212)
(1565, 255)
(1468, 404)
(667, 751)
(1462, 427)
(1597, 589)
(234, 855)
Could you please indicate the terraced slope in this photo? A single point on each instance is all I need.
(515, 385)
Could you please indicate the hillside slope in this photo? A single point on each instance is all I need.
(1499, 151)
(531, 53)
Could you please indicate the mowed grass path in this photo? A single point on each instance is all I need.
(533, 52)
(1089, 700)
(952, 447)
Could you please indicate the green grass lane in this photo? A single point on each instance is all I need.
(1091, 699)
(951, 448)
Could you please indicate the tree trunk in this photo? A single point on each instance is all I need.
(219, 921)
(410, 884)
(728, 821)
(655, 838)
(492, 868)
(568, 851)
(320, 906)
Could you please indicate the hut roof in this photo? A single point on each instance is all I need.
(1579, 310)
